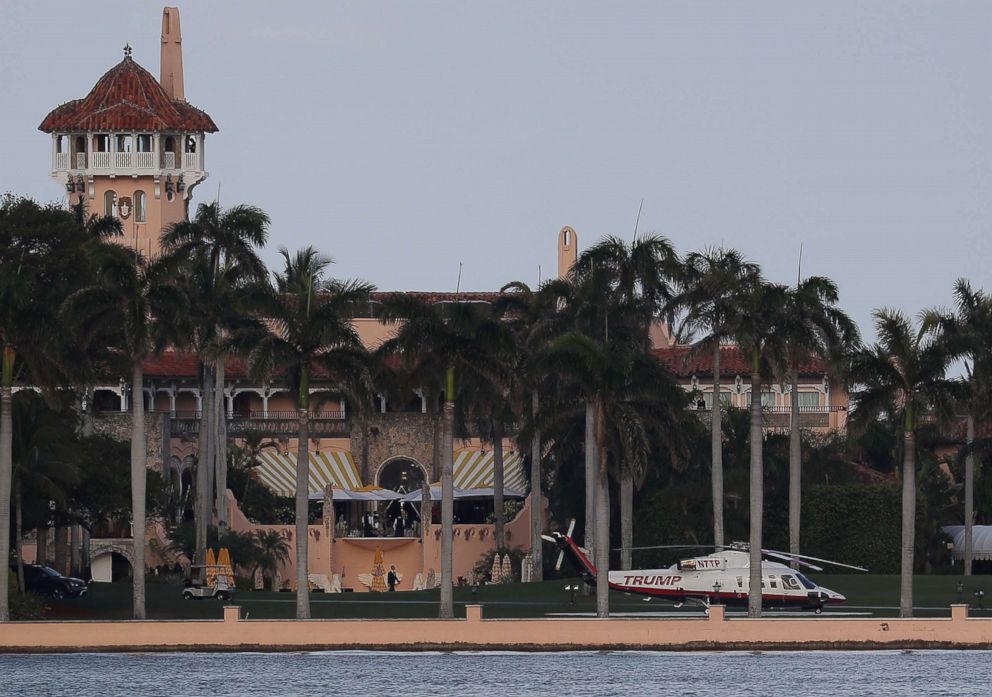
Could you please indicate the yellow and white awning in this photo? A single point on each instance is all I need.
(474, 469)
(278, 471)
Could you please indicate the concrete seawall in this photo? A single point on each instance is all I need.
(714, 632)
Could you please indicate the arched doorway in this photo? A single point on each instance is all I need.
(401, 474)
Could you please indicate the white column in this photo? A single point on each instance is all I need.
(172, 401)
(341, 407)
(123, 394)
(265, 404)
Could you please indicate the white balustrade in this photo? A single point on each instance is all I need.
(80, 160)
(191, 160)
(100, 160)
(170, 160)
(123, 160)
(61, 160)
(146, 160)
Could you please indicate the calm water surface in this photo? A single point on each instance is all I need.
(807, 674)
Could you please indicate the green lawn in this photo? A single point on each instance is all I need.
(874, 594)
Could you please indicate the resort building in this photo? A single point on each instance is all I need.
(134, 148)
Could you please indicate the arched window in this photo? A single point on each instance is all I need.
(139, 206)
(110, 202)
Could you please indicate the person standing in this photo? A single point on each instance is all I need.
(392, 578)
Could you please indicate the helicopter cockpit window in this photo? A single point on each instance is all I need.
(740, 581)
(806, 582)
(772, 582)
(790, 583)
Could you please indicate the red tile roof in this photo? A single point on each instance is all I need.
(681, 361)
(127, 98)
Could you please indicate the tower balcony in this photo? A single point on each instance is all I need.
(127, 163)
(128, 154)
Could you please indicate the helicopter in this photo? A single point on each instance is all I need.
(719, 577)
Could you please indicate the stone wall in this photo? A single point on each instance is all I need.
(382, 437)
(117, 425)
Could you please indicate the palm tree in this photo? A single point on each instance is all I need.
(224, 245)
(439, 343)
(637, 277)
(813, 326)
(533, 319)
(760, 313)
(42, 440)
(273, 551)
(709, 282)
(903, 374)
(308, 329)
(44, 255)
(967, 333)
(136, 305)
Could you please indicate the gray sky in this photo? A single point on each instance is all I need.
(402, 138)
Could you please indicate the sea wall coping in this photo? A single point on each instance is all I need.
(232, 633)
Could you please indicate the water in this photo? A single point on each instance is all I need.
(360, 673)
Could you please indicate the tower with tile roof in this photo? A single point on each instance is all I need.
(133, 146)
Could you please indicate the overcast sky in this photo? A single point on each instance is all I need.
(404, 138)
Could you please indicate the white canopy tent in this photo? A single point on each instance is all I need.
(368, 493)
(981, 538)
(461, 494)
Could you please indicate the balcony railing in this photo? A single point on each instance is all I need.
(274, 423)
(778, 417)
(100, 160)
(126, 162)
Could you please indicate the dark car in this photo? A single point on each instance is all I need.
(46, 581)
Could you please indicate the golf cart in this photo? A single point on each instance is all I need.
(220, 588)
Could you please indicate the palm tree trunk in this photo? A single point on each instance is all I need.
(221, 447)
(536, 497)
(41, 544)
(446, 608)
(716, 450)
(795, 468)
(139, 454)
(602, 520)
(302, 515)
(908, 523)
(19, 534)
(6, 475)
(74, 565)
(61, 549)
(591, 472)
(757, 507)
(202, 505)
(969, 499)
(626, 520)
(498, 512)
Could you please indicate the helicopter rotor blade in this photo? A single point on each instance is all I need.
(787, 557)
(619, 549)
(800, 557)
(548, 538)
(561, 558)
(571, 528)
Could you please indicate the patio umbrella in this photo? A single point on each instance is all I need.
(458, 494)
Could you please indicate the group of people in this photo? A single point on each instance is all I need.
(376, 524)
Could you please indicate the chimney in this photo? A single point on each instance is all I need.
(172, 54)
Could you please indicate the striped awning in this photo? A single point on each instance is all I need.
(278, 471)
(474, 469)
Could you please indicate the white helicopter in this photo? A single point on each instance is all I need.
(720, 577)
